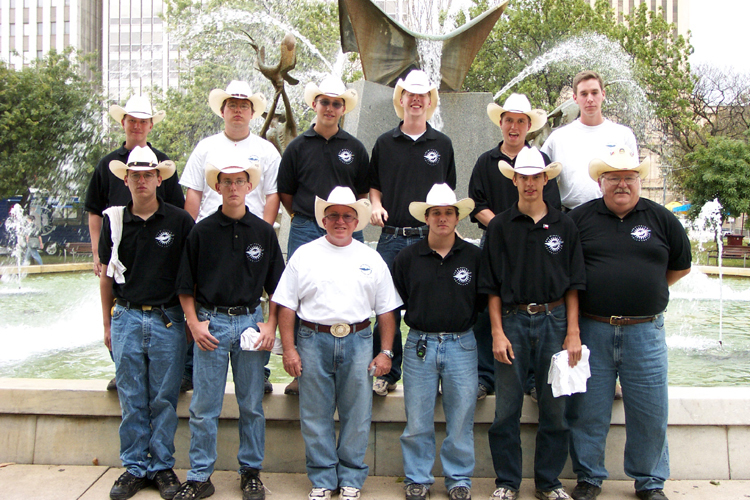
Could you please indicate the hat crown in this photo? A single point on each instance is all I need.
(417, 82)
(341, 195)
(620, 157)
(441, 195)
(332, 86)
(142, 155)
(239, 89)
(138, 104)
(529, 158)
(517, 103)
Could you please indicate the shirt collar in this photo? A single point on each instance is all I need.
(424, 247)
(601, 207)
(310, 132)
(122, 152)
(430, 133)
(553, 214)
(496, 153)
(228, 221)
(129, 217)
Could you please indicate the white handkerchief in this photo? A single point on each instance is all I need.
(566, 380)
(250, 337)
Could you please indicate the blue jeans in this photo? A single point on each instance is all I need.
(304, 230)
(485, 358)
(149, 359)
(534, 338)
(452, 358)
(334, 376)
(209, 380)
(389, 245)
(638, 354)
(32, 253)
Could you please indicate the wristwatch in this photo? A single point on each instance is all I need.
(388, 353)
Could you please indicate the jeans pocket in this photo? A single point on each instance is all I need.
(175, 315)
(365, 333)
(305, 333)
(659, 322)
(468, 342)
(559, 313)
(119, 310)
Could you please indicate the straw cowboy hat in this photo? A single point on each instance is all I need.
(141, 159)
(238, 90)
(416, 82)
(138, 106)
(530, 162)
(231, 163)
(332, 86)
(341, 195)
(441, 195)
(517, 103)
(616, 159)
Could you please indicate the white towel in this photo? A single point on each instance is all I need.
(566, 380)
(115, 269)
(249, 338)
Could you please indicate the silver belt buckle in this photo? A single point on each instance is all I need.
(340, 330)
(528, 308)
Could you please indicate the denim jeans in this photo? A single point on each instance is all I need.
(209, 380)
(485, 358)
(334, 376)
(389, 245)
(304, 230)
(638, 354)
(452, 359)
(149, 359)
(534, 338)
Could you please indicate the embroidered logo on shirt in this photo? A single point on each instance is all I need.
(553, 244)
(254, 252)
(164, 238)
(641, 233)
(365, 269)
(462, 276)
(346, 156)
(431, 156)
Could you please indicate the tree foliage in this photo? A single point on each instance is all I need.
(50, 126)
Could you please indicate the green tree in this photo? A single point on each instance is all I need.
(721, 170)
(50, 126)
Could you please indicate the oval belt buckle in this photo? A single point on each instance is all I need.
(340, 330)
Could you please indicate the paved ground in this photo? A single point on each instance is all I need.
(66, 482)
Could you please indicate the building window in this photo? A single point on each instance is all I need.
(53, 28)
(39, 54)
(67, 27)
(12, 30)
(39, 29)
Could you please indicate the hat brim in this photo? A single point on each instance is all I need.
(537, 117)
(417, 209)
(400, 87)
(361, 206)
(552, 170)
(217, 97)
(597, 167)
(166, 169)
(350, 97)
(118, 113)
(212, 175)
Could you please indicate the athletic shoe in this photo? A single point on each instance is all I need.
(348, 493)
(252, 487)
(459, 493)
(655, 494)
(555, 494)
(292, 389)
(504, 494)
(381, 387)
(168, 483)
(193, 490)
(319, 493)
(416, 491)
(585, 491)
(127, 485)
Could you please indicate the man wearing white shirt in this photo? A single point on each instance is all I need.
(576, 144)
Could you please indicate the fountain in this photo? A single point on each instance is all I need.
(18, 228)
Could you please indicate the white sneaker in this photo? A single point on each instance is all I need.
(504, 494)
(556, 494)
(319, 494)
(381, 387)
(348, 493)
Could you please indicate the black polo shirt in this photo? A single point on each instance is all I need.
(439, 294)
(404, 170)
(627, 259)
(313, 165)
(230, 261)
(151, 251)
(525, 262)
(490, 189)
(107, 190)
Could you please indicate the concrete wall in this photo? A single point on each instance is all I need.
(75, 422)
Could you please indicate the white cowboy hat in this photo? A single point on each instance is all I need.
(332, 86)
(239, 90)
(530, 162)
(230, 162)
(140, 159)
(416, 82)
(138, 106)
(341, 195)
(517, 103)
(618, 158)
(441, 195)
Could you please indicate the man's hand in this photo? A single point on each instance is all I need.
(292, 362)
(572, 344)
(202, 337)
(266, 338)
(108, 337)
(502, 349)
(382, 364)
(97, 266)
(379, 216)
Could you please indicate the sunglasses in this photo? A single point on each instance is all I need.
(325, 103)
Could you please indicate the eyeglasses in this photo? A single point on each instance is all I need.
(325, 103)
(347, 217)
(147, 176)
(244, 106)
(614, 181)
(237, 182)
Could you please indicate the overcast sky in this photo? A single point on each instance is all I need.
(719, 33)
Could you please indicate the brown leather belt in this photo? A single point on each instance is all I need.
(619, 320)
(538, 308)
(337, 330)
